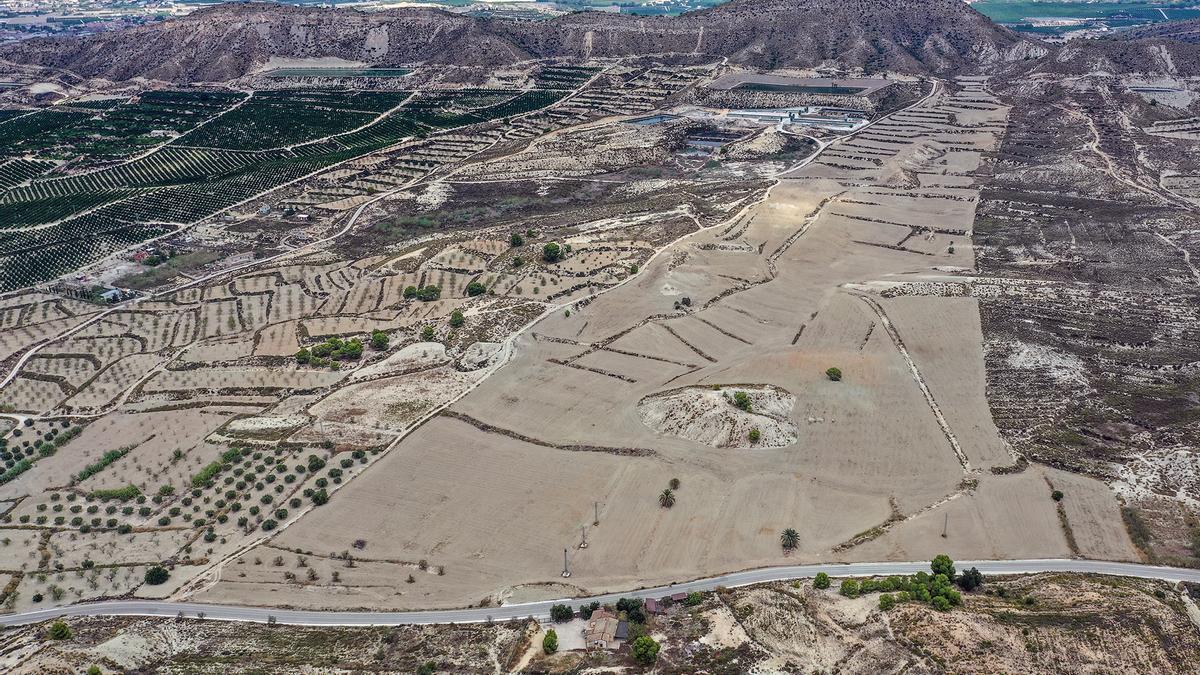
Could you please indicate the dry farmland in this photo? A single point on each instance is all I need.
(414, 376)
(609, 401)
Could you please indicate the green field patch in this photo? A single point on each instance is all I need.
(337, 72)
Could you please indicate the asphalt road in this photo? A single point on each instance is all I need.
(541, 610)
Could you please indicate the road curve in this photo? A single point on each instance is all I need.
(541, 610)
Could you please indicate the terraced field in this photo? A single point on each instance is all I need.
(232, 149)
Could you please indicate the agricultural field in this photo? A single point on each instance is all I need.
(398, 349)
(189, 156)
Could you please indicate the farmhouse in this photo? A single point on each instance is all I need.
(601, 630)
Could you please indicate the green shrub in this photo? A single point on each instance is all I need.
(59, 631)
(821, 580)
(122, 494)
(834, 374)
(645, 650)
(157, 575)
(561, 613)
(550, 642)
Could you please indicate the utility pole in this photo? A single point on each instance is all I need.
(566, 570)
(583, 536)
(945, 525)
(596, 521)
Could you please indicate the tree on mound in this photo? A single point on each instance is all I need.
(666, 498)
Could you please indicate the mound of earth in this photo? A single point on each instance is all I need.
(712, 416)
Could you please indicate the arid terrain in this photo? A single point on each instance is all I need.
(1044, 622)
(388, 326)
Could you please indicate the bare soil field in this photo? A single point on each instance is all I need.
(776, 295)
(561, 325)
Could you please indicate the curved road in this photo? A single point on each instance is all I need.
(541, 610)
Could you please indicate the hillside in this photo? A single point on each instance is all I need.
(227, 41)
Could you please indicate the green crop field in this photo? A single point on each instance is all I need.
(280, 119)
(219, 149)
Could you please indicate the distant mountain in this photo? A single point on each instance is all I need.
(227, 41)
(1183, 31)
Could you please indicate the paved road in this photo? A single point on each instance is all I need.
(541, 610)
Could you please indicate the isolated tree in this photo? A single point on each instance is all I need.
(429, 293)
(551, 252)
(561, 613)
(674, 483)
(666, 498)
(59, 630)
(755, 435)
(850, 588)
(157, 575)
(790, 539)
(410, 292)
(645, 650)
(427, 334)
(1057, 495)
(516, 240)
(834, 374)
(742, 400)
(456, 319)
(475, 288)
(379, 340)
(970, 579)
(942, 564)
(821, 581)
(550, 642)
(518, 261)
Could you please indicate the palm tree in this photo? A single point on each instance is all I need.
(790, 539)
(667, 498)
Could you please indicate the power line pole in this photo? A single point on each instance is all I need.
(945, 524)
(596, 521)
(583, 536)
(566, 570)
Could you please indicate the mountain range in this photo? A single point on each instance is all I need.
(227, 41)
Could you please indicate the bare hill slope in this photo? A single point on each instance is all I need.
(226, 41)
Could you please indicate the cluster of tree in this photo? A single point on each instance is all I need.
(552, 252)
(936, 588)
(475, 288)
(426, 294)
(329, 351)
(666, 498)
